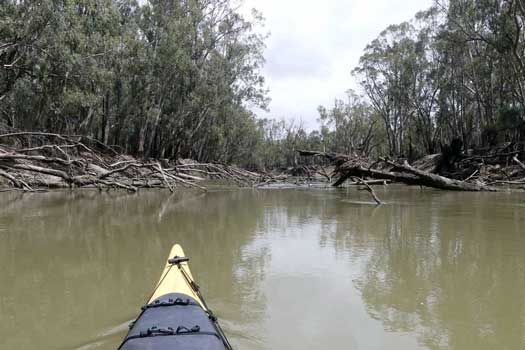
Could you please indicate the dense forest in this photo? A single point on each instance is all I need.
(162, 79)
(456, 71)
(179, 79)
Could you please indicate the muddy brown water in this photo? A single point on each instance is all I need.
(282, 268)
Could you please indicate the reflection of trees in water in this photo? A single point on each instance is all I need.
(449, 267)
(80, 261)
(84, 261)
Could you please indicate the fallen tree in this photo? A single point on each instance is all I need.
(32, 161)
(347, 166)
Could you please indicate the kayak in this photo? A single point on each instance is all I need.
(176, 316)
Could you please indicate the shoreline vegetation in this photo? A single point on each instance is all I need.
(440, 99)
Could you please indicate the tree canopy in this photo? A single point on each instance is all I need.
(456, 71)
(161, 79)
(178, 79)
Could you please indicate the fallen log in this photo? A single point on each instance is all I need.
(437, 181)
(371, 182)
(360, 167)
(346, 172)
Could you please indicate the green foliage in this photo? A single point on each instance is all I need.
(161, 79)
(175, 79)
(351, 127)
(455, 71)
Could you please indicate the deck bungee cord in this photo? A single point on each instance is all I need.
(195, 287)
(176, 315)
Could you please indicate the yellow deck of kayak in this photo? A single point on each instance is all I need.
(172, 280)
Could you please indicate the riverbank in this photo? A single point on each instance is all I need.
(38, 161)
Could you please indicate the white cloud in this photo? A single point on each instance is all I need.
(314, 46)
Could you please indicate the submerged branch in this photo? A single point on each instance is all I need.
(369, 189)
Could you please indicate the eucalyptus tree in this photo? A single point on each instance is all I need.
(56, 62)
(201, 59)
(159, 78)
(479, 45)
(386, 73)
(353, 124)
(454, 72)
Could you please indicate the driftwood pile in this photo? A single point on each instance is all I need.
(475, 171)
(32, 161)
(496, 165)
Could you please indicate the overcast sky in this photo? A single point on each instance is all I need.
(314, 45)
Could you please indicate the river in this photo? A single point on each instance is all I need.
(289, 268)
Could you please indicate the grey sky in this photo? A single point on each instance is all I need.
(315, 44)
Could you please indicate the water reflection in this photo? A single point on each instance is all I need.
(446, 266)
(75, 265)
(294, 269)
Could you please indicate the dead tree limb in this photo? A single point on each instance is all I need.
(14, 180)
(369, 189)
(40, 159)
(517, 161)
(164, 177)
(353, 166)
(441, 182)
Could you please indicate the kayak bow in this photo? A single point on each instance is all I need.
(176, 316)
